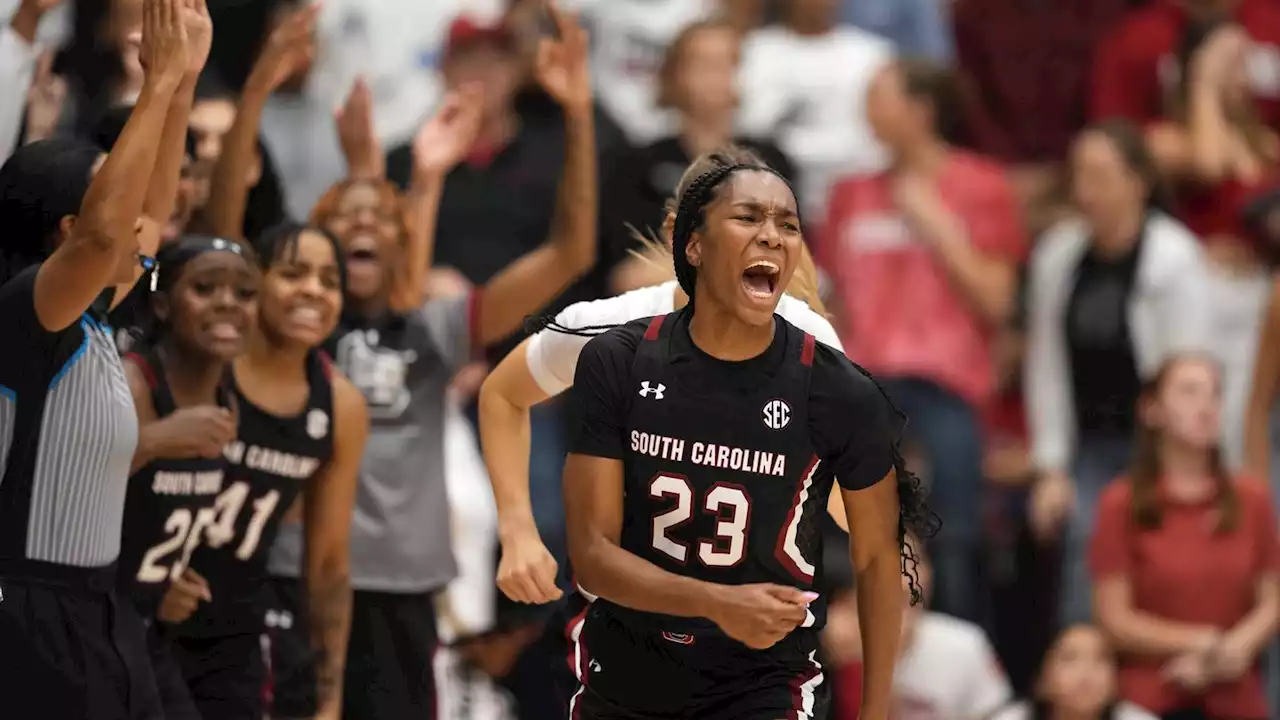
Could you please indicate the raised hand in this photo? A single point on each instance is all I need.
(45, 99)
(760, 615)
(561, 66)
(289, 50)
(165, 47)
(356, 134)
(195, 15)
(446, 138)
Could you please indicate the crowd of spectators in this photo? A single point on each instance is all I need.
(1049, 228)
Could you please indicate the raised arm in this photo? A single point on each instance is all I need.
(162, 188)
(440, 145)
(538, 277)
(1262, 394)
(329, 503)
(287, 49)
(105, 231)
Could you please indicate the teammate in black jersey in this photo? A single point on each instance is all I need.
(705, 443)
(302, 428)
(205, 305)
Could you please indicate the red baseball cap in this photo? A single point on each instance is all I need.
(465, 32)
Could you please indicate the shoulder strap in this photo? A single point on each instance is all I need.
(152, 367)
(807, 350)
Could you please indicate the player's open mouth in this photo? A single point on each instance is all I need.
(760, 279)
(362, 249)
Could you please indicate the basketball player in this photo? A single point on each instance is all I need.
(204, 306)
(302, 428)
(543, 366)
(700, 439)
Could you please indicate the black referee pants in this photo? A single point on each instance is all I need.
(70, 648)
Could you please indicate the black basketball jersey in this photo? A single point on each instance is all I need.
(723, 486)
(269, 464)
(168, 506)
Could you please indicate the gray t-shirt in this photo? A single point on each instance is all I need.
(400, 540)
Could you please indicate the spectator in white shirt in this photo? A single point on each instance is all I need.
(629, 38)
(1077, 682)
(1110, 295)
(947, 669)
(817, 73)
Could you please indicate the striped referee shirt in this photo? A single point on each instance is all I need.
(68, 431)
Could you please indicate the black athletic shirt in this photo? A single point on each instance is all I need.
(268, 466)
(728, 465)
(1104, 372)
(169, 505)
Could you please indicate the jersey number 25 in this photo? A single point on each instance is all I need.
(732, 505)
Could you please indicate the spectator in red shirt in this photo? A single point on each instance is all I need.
(1008, 48)
(924, 257)
(1135, 66)
(1223, 160)
(1184, 559)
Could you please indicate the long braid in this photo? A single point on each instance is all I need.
(915, 517)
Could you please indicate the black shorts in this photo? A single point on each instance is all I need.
(175, 697)
(225, 674)
(290, 659)
(629, 673)
(70, 647)
(390, 653)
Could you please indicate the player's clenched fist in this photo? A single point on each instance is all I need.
(527, 571)
(759, 615)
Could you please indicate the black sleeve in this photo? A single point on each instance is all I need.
(850, 421)
(37, 354)
(598, 400)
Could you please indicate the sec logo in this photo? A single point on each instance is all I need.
(777, 414)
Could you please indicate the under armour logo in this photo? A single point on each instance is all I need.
(645, 389)
(594, 665)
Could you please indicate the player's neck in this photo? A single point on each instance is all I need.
(193, 378)
(720, 334)
(268, 361)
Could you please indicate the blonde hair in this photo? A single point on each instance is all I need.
(656, 251)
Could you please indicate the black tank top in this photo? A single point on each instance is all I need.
(268, 467)
(713, 478)
(168, 506)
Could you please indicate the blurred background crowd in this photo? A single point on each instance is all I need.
(1048, 226)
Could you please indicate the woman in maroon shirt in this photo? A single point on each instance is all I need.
(1184, 559)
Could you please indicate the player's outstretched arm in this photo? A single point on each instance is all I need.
(527, 571)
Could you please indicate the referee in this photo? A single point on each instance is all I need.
(70, 242)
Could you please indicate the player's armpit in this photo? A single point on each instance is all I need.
(593, 496)
(872, 514)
